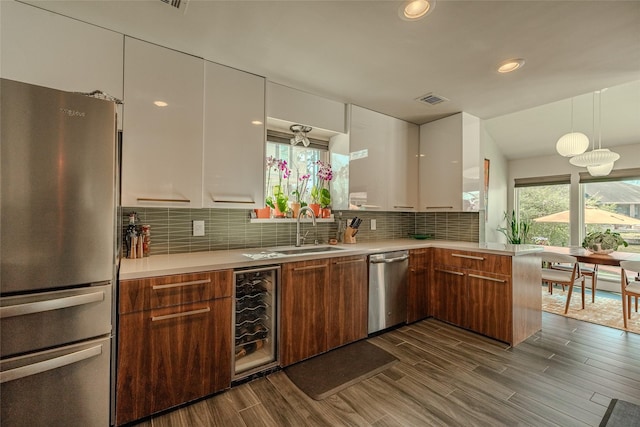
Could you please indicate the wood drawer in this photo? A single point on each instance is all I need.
(166, 291)
(499, 264)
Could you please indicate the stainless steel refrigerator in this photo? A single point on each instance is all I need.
(58, 201)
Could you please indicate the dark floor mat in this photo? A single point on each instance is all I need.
(328, 373)
(621, 414)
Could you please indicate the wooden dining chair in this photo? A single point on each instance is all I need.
(629, 287)
(569, 278)
(591, 272)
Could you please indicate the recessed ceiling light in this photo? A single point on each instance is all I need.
(256, 122)
(160, 103)
(413, 10)
(510, 65)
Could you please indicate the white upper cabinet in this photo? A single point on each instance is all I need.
(50, 50)
(383, 167)
(450, 164)
(292, 105)
(162, 145)
(234, 138)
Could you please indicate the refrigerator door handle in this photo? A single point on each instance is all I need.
(48, 365)
(53, 304)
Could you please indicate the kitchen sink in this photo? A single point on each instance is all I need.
(307, 250)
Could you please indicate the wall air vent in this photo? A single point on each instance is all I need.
(178, 4)
(431, 99)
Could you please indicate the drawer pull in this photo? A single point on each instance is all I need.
(246, 202)
(183, 314)
(493, 279)
(403, 207)
(55, 304)
(310, 267)
(50, 364)
(151, 199)
(178, 285)
(352, 261)
(457, 273)
(479, 258)
(438, 207)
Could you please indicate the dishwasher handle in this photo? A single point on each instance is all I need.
(389, 260)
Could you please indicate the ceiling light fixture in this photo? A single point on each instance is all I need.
(412, 10)
(300, 134)
(160, 103)
(510, 65)
(599, 162)
(572, 143)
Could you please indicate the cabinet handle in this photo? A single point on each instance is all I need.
(457, 273)
(349, 262)
(370, 206)
(55, 304)
(488, 278)
(310, 267)
(50, 364)
(149, 199)
(438, 207)
(403, 207)
(178, 285)
(479, 258)
(247, 202)
(183, 314)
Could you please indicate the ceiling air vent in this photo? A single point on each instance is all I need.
(178, 4)
(431, 99)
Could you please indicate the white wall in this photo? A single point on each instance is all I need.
(558, 165)
(497, 198)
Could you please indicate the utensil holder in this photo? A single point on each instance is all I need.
(350, 235)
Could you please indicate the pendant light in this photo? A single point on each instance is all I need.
(300, 134)
(573, 143)
(599, 162)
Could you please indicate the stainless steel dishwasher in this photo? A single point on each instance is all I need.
(387, 289)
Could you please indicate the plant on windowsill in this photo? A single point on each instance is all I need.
(603, 242)
(516, 231)
(299, 192)
(320, 193)
(278, 200)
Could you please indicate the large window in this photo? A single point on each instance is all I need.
(544, 202)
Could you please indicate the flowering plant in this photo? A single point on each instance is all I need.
(279, 199)
(320, 192)
(301, 187)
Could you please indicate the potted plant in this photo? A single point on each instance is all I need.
(323, 194)
(516, 231)
(278, 200)
(603, 242)
(299, 192)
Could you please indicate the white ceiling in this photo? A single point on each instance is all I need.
(361, 52)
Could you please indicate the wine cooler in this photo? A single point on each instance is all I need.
(255, 320)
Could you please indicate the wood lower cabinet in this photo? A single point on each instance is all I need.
(303, 318)
(174, 341)
(495, 295)
(418, 284)
(323, 306)
(348, 301)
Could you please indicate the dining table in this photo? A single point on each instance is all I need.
(586, 256)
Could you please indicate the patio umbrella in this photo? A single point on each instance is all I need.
(592, 216)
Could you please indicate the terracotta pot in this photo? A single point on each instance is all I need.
(295, 208)
(315, 207)
(278, 214)
(263, 213)
(326, 213)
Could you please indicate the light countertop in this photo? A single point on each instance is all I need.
(162, 265)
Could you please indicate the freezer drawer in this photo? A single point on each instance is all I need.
(66, 386)
(48, 319)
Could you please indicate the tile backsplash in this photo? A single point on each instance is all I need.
(171, 229)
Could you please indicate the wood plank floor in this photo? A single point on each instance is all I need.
(565, 375)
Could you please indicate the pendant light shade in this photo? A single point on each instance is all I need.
(572, 144)
(597, 157)
(600, 170)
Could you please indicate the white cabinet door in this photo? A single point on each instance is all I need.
(234, 138)
(447, 176)
(50, 50)
(383, 168)
(162, 146)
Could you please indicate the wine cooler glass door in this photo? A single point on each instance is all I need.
(255, 325)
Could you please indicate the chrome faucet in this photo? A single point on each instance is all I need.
(313, 217)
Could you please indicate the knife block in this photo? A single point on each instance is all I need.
(350, 235)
